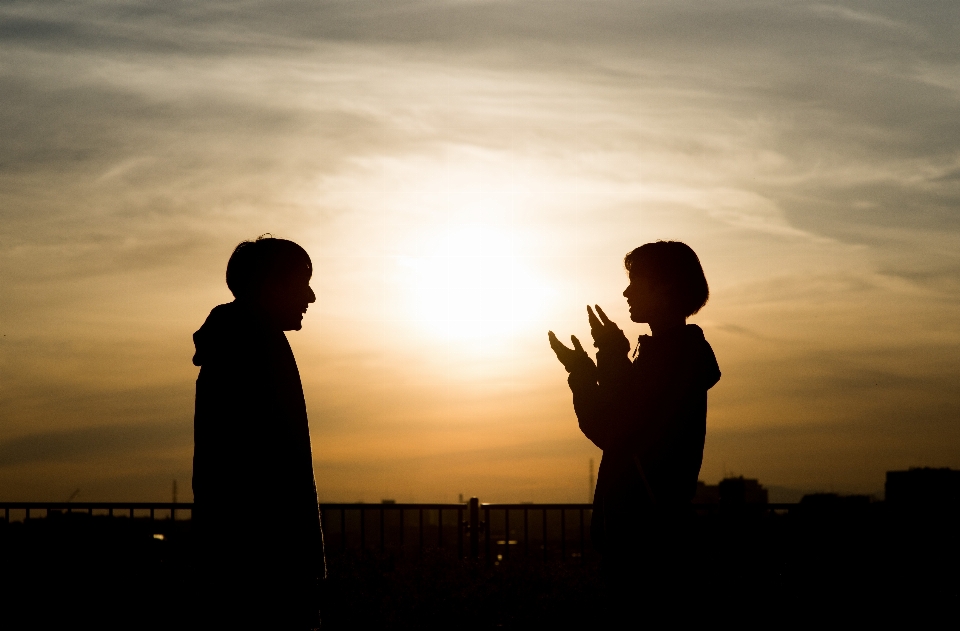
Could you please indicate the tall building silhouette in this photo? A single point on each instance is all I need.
(741, 490)
(923, 486)
(707, 493)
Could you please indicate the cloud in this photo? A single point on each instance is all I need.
(861, 17)
(94, 443)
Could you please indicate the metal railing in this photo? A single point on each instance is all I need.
(493, 531)
(111, 509)
(581, 524)
(426, 521)
(473, 529)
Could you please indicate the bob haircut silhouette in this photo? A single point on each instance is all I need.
(267, 260)
(675, 269)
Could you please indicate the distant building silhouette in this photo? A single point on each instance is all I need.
(742, 490)
(834, 499)
(731, 491)
(835, 505)
(707, 493)
(923, 486)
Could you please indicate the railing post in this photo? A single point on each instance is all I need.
(460, 533)
(582, 537)
(363, 530)
(486, 534)
(474, 527)
(563, 534)
(526, 532)
(420, 533)
(506, 535)
(544, 535)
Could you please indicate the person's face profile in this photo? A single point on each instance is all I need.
(645, 299)
(286, 299)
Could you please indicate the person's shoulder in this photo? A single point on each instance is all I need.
(222, 333)
(694, 338)
(701, 354)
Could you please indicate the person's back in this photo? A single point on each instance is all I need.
(656, 413)
(256, 515)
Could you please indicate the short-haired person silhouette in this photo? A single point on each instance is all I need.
(256, 517)
(649, 418)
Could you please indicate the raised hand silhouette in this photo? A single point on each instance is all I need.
(606, 334)
(573, 359)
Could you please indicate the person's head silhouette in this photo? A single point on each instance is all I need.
(667, 284)
(272, 276)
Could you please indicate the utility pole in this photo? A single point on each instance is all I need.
(174, 491)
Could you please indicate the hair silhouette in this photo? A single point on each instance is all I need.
(676, 268)
(265, 260)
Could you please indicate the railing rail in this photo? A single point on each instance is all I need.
(112, 508)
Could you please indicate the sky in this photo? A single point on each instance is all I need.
(467, 175)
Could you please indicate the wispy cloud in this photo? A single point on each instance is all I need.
(94, 443)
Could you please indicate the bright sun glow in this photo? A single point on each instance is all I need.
(473, 283)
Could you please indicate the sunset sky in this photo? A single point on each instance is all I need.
(467, 175)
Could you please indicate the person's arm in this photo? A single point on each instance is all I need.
(583, 383)
(603, 403)
(613, 365)
(600, 391)
(595, 415)
(624, 409)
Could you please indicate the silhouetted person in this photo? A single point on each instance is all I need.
(256, 517)
(649, 418)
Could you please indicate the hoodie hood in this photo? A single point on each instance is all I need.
(220, 330)
(698, 351)
(707, 367)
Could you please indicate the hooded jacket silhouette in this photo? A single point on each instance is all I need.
(649, 418)
(256, 513)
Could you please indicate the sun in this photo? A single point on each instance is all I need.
(474, 282)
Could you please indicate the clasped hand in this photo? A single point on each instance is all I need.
(606, 335)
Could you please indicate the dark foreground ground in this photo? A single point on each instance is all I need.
(749, 569)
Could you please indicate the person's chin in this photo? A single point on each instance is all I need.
(295, 324)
